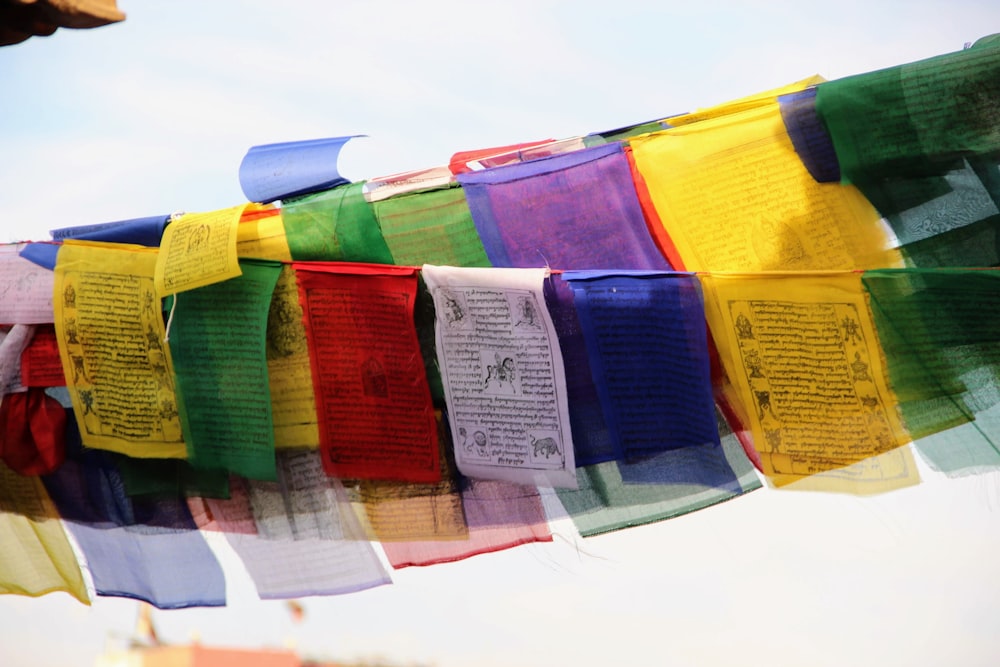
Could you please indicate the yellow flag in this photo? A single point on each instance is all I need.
(764, 98)
(733, 196)
(118, 368)
(261, 234)
(806, 374)
(36, 557)
(289, 374)
(198, 249)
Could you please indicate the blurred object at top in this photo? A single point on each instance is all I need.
(21, 19)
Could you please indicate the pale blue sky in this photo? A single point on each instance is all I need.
(153, 115)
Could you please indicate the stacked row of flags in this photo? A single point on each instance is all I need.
(343, 378)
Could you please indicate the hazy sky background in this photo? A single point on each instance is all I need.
(154, 115)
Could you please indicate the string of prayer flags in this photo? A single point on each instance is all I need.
(376, 419)
(198, 249)
(25, 289)
(573, 211)
(807, 374)
(503, 375)
(648, 348)
(36, 557)
(940, 331)
(289, 373)
(276, 171)
(282, 569)
(736, 166)
(118, 370)
(334, 225)
(217, 340)
(146, 550)
(431, 226)
(500, 515)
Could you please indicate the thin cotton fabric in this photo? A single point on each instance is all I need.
(218, 339)
(431, 226)
(940, 330)
(335, 225)
(648, 350)
(572, 211)
(500, 515)
(145, 550)
(36, 557)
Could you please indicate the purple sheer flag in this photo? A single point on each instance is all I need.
(576, 210)
(147, 550)
(276, 171)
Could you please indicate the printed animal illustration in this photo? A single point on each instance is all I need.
(546, 446)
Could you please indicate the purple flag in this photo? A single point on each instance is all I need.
(576, 210)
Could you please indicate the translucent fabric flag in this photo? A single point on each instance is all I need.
(940, 330)
(808, 376)
(648, 348)
(291, 568)
(198, 249)
(217, 339)
(261, 235)
(118, 369)
(289, 373)
(921, 142)
(170, 478)
(40, 362)
(676, 483)
(500, 515)
(25, 289)
(592, 440)
(147, 550)
(397, 511)
(733, 196)
(915, 119)
(433, 226)
(809, 136)
(503, 375)
(36, 557)
(334, 225)
(376, 419)
(574, 211)
(764, 98)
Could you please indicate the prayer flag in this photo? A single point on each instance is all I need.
(573, 211)
(376, 419)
